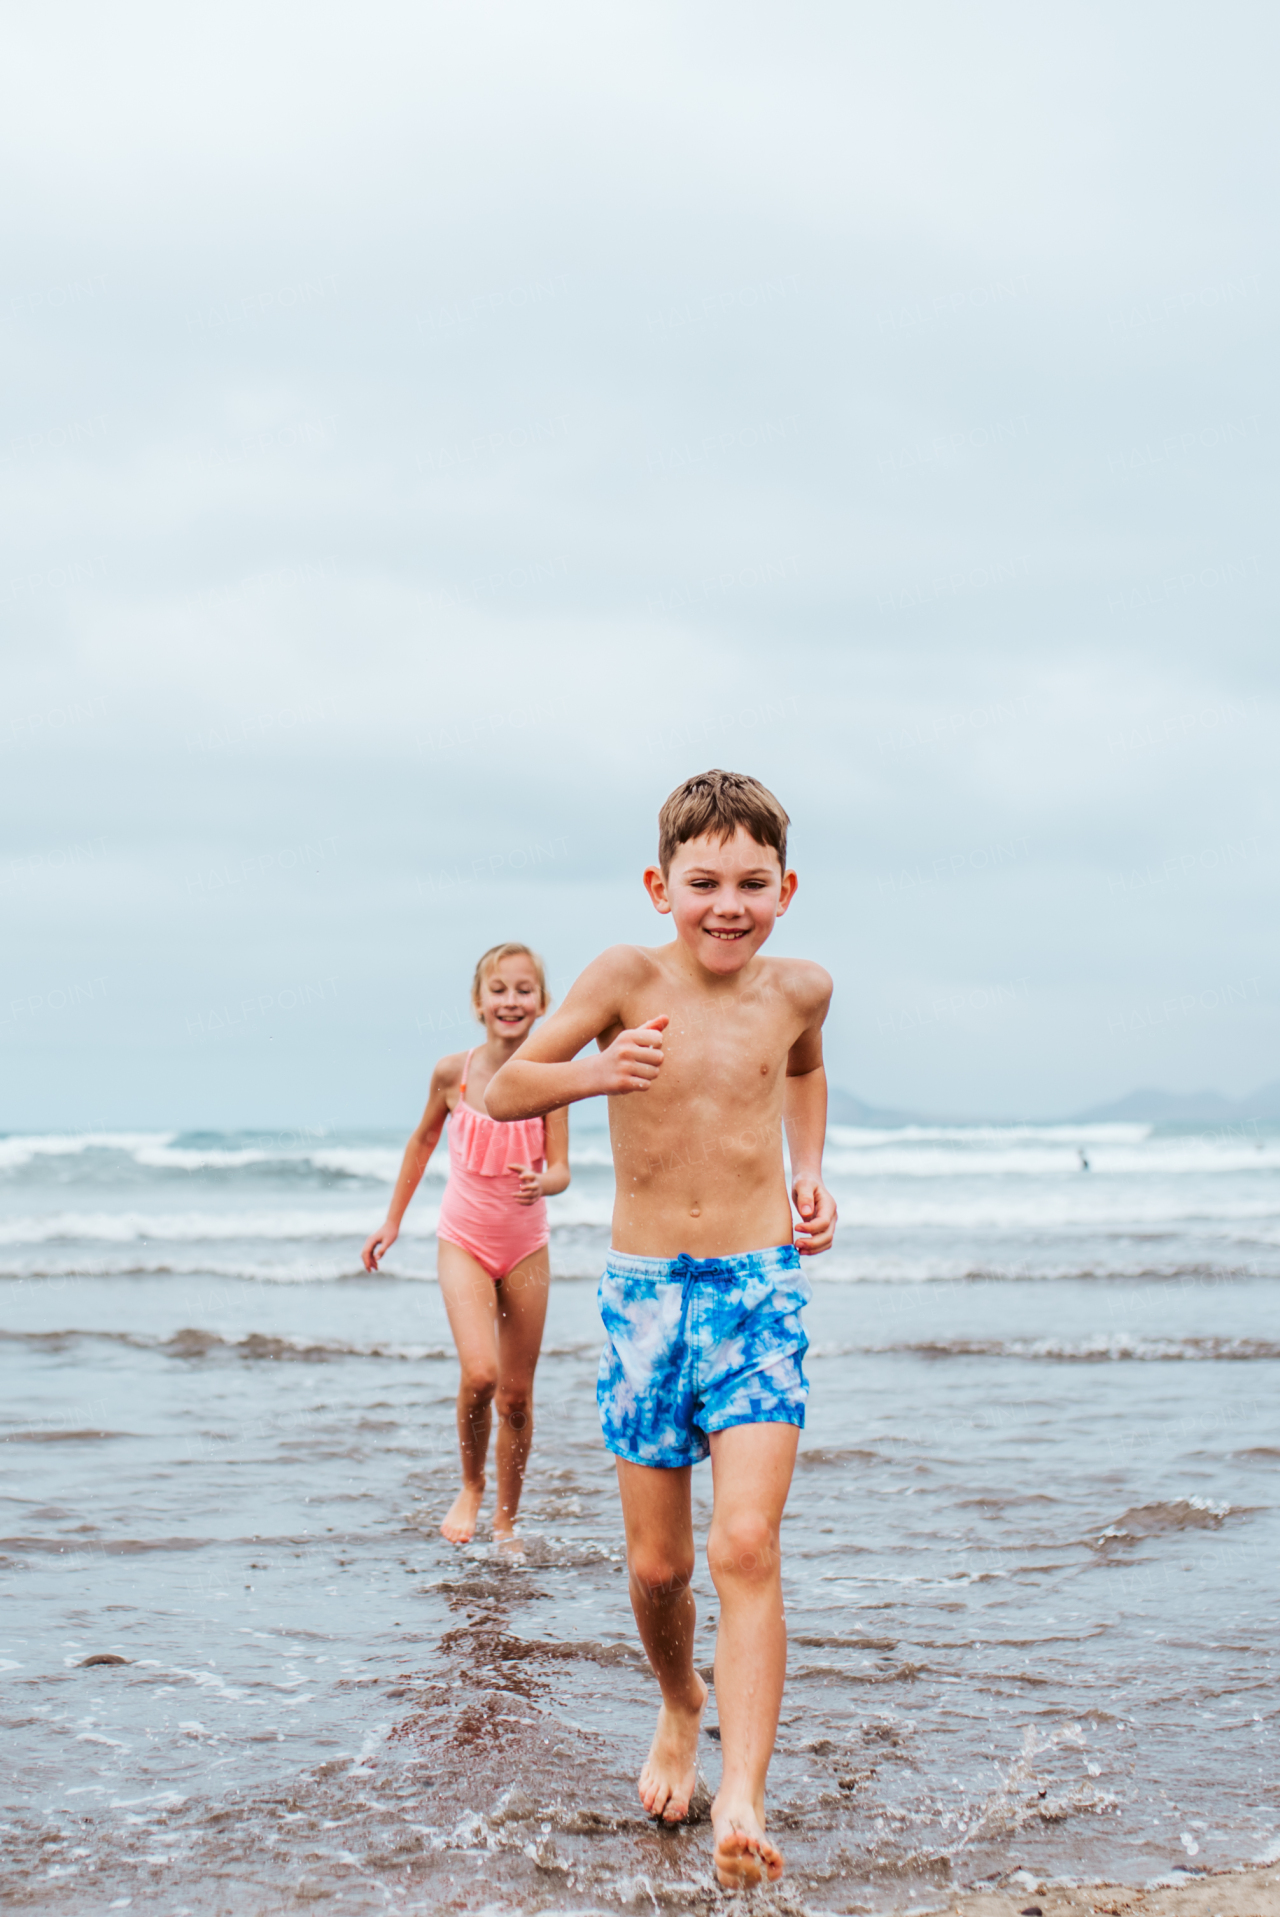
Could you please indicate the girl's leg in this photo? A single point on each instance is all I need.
(468, 1293)
(522, 1311)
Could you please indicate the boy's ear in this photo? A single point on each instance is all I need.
(656, 886)
(788, 892)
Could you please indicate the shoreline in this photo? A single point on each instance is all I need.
(1246, 1892)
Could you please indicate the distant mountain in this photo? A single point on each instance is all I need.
(844, 1109)
(1148, 1105)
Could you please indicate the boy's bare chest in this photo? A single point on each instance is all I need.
(733, 1054)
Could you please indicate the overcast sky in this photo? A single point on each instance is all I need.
(431, 432)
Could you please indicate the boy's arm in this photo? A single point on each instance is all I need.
(556, 1176)
(804, 1113)
(546, 1071)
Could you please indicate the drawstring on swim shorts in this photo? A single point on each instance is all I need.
(690, 1270)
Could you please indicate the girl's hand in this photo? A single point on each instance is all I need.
(379, 1245)
(530, 1184)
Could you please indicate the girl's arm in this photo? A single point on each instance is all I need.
(417, 1154)
(555, 1176)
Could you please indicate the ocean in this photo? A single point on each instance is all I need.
(1031, 1549)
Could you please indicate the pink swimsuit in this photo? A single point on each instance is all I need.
(480, 1210)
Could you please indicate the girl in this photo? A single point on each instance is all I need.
(492, 1234)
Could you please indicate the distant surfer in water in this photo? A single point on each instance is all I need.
(492, 1236)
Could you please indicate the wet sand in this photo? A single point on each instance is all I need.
(1244, 1893)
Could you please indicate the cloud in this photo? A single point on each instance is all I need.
(435, 434)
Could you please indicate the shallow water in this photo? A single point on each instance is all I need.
(1031, 1546)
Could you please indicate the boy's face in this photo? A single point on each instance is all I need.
(724, 898)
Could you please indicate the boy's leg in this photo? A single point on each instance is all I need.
(751, 1467)
(522, 1311)
(467, 1290)
(657, 1513)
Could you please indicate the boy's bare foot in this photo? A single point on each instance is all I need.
(668, 1779)
(744, 1856)
(460, 1521)
(509, 1544)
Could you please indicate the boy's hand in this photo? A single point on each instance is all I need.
(634, 1059)
(530, 1184)
(379, 1245)
(817, 1209)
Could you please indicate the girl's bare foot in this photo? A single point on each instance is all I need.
(460, 1521)
(508, 1542)
(668, 1779)
(744, 1856)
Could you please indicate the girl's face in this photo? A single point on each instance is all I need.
(510, 998)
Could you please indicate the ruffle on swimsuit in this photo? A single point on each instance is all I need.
(480, 1210)
(488, 1146)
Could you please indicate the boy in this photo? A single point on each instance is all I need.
(705, 1051)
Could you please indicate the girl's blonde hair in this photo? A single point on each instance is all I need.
(494, 956)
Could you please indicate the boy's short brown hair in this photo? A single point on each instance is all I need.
(720, 802)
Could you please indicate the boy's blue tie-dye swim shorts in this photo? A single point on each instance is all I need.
(694, 1345)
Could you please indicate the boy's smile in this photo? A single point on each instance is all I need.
(725, 897)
